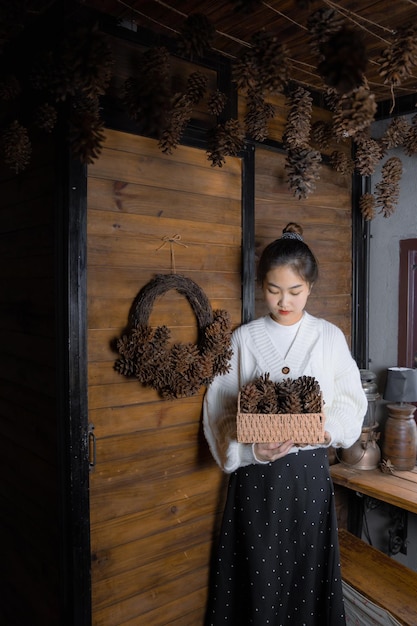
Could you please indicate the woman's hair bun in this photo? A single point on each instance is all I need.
(293, 227)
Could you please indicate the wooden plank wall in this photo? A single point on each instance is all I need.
(155, 489)
(29, 520)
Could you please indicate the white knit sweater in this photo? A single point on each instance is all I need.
(320, 350)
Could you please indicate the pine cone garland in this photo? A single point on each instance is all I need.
(298, 124)
(367, 206)
(303, 169)
(16, 146)
(196, 37)
(387, 191)
(354, 113)
(344, 60)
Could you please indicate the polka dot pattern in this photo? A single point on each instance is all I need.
(277, 558)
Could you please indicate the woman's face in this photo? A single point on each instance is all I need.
(285, 294)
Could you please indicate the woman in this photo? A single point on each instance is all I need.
(277, 560)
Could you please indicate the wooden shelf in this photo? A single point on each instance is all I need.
(399, 488)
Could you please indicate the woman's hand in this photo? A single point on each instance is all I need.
(272, 451)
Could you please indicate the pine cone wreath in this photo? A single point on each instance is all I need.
(344, 60)
(226, 139)
(16, 146)
(387, 191)
(398, 61)
(368, 154)
(298, 124)
(342, 163)
(257, 117)
(196, 36)
(354, 113)
(303, 169)
(396, 133)
(367, 206)
(217, 102)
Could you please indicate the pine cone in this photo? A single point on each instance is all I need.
(368, 154)
(264, 67)
(344, 60)
(16, 146)
(290, 403)
(387, 191)
(321, 134)
(298, 124)
(399, 59)
(10, 87)
(249, 398)
(45, 117)
(410, 141)
(341, 162)
(354, 113)
(332, 99)
(196, 37)
(367, 206)
(86, 130)
(196, 87)
(303, 168)
(125, 366)
(226, 139)
(396, 133)
(216, 102)
(322, 25)
(147, 94)
(258, 114)
(179, 117)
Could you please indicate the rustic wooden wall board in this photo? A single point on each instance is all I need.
(152, 475)
(128, 197)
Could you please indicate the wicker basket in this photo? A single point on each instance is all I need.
(302, 428)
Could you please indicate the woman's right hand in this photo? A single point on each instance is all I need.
(271, 451)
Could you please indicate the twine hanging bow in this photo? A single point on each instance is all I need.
(171, 240)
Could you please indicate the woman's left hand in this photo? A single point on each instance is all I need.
(272, 451)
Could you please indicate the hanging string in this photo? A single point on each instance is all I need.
(175, 239)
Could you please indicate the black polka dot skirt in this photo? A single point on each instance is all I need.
(277, 561)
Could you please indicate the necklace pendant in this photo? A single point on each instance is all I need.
(285, 370)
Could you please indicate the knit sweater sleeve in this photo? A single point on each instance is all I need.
(346, 403)
(220, 409)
